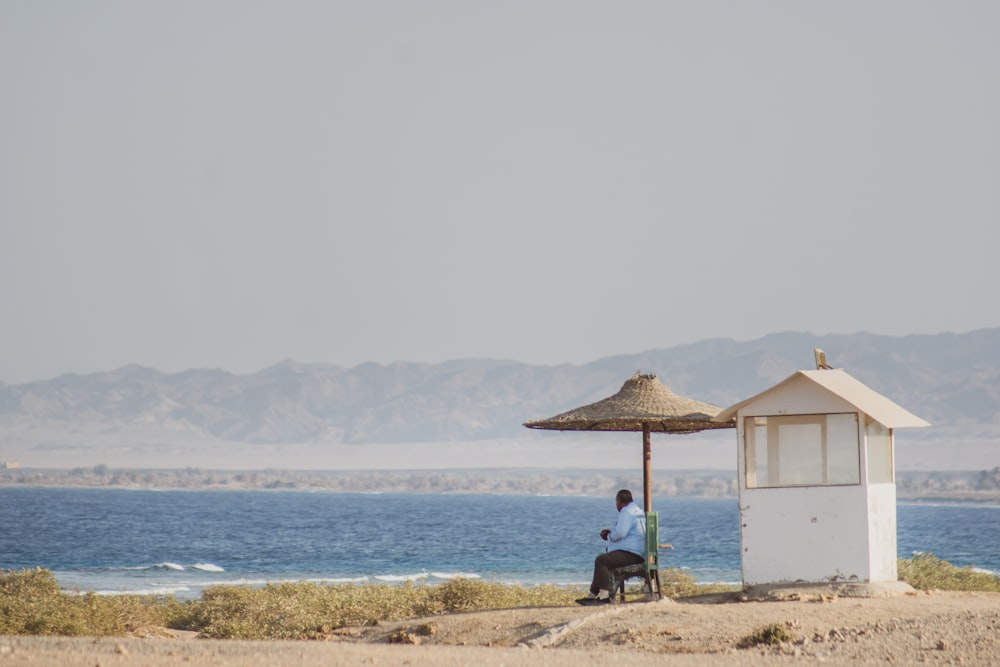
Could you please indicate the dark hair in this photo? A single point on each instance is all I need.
(624, 497)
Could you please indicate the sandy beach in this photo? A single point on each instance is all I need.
(919, 627)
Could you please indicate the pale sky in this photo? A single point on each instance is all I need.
(227, 184)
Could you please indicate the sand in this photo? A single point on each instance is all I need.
(916, 627)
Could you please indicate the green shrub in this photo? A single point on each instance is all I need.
(767, 635)
(31, 603)
(469, 595)
(305, 610)
(926, 572)
(677, 583)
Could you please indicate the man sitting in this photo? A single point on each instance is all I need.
(627, 546)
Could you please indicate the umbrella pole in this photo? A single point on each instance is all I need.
(647, 456)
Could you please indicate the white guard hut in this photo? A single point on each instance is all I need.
(817, 488)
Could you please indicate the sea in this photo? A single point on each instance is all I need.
(113, 541)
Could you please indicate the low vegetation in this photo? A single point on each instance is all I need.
(767, 635)
(677, 583)
(31, 603)
(927, 572)
(306, 610)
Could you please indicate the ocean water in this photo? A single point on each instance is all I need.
(178, 542)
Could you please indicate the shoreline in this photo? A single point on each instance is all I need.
(951, 487)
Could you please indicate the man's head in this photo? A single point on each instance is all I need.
(623, 498)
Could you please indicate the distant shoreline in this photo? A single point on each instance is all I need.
(919, 487)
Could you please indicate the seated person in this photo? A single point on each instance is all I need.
(627, 546)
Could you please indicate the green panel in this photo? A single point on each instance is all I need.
(652, 541)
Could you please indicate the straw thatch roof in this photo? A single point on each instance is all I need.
(642, 400)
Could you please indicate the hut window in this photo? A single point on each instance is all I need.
(802, 450)
(879, 453)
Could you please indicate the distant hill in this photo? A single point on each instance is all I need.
(952, 380)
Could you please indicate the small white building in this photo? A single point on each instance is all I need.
(817, 489)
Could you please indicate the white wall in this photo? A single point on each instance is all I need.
(882, 532)
(800, 396)
(809, 534)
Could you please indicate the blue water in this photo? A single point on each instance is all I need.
(178, 542)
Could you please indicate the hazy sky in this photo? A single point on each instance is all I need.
(233, 183)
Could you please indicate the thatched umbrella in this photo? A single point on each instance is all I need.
(643, 404)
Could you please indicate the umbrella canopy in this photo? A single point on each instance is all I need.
(643, 404)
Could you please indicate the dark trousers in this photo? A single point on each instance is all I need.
(606, 562)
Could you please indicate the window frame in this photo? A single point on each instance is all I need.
(772, 456)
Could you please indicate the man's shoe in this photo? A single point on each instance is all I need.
(594, 601)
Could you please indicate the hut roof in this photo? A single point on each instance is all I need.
(838, 382)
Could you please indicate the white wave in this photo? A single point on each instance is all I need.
(338, 580)
(282, 580)
(169, 566)
(207, 567)
(242, 582)
(159, 590)
(455, 575)
(400, 577)
(159, 566)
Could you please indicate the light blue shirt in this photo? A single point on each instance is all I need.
(629, 534)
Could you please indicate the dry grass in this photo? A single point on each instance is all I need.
(927, 572)
(305, 610)
(765, 636)
(31, 603)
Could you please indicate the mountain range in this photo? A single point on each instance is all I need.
(951, 380)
